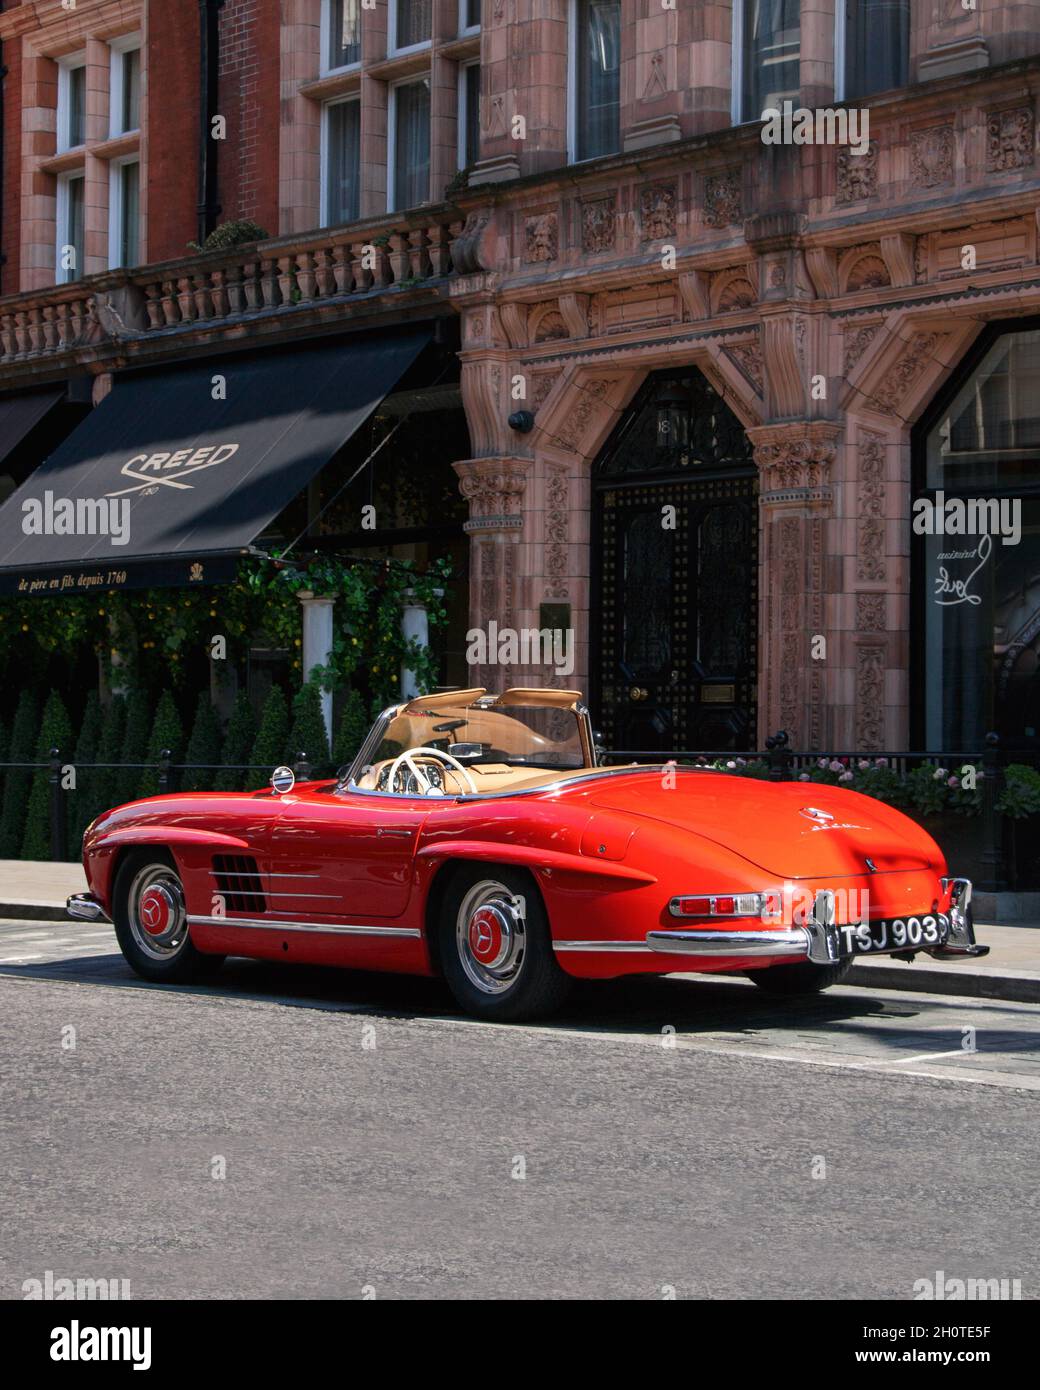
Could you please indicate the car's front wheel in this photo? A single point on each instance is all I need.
(495, 945)
(803, 977)
(151, 920)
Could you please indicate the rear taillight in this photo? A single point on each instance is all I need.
(720, 905)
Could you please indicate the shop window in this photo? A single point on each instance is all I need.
(767, 43)
(596, 71)
(979, 571)
(872, 47)
(341, 162)
(409, 145)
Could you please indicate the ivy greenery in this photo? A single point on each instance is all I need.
(153, 632)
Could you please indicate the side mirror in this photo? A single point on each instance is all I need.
(283, 779)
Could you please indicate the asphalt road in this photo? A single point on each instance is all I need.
(661, 1136)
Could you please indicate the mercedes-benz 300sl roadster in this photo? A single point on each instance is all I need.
(475, 837)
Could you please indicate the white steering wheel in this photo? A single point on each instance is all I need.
(426, 787)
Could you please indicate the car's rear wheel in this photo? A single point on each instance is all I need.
(151, 919)
(495, 945)
(801, 978)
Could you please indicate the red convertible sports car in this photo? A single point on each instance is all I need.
(475, 837)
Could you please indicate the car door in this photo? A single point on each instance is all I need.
(344, 856)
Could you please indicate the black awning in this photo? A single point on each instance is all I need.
(192, 464)
(19, 416)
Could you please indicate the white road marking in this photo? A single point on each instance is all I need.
(757, 1046)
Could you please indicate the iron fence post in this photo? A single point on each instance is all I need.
(779, 758)
(59, 830)
(302, 767)
(164, 771)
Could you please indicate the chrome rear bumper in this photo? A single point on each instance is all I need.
(84, 907)
(794, 942)
(819, 940)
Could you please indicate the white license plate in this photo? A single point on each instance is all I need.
(895, 934)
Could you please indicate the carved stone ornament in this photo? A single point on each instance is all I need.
(465, 249)
(557, 530)
(856, 341)
(870, 507)
(732, 290)
(898, 379)
(931, 156)
(657, 211)
(870, 612)
(748, 358)
(599, 224)
(572, 431)
(1010, 139)
(857, 174)
(549, 326)
(794, 461)
(542, 384)
(723, 205)
(870, 698)
(541, 238)
(491, 487)
(868, 273)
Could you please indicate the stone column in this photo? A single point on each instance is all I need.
(96, 171)
(524, 57)
(415, 624)
(796, 502)
(494, 488)
(317, 643)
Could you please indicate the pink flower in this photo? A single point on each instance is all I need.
(881, 762)
(821, 762)
(845, 777)
(836, 766)
(953, 782)
(863, 764)
(803, 777)
(939, 774)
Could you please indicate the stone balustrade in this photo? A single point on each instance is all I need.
(276, 276)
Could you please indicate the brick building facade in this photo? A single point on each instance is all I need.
(787, 343)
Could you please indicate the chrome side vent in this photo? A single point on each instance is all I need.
(238, 882)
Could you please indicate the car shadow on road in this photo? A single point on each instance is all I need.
(635, 1005)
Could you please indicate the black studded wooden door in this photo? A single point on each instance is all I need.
(676, 564)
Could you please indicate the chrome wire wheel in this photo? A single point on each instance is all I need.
(491, 936)
(156, 914)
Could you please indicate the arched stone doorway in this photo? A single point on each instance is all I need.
(673, 626)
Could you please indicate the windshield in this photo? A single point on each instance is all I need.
(526, 736)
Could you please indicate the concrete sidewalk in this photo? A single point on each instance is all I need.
(1011, 970)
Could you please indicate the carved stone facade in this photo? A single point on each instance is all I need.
(827, 296)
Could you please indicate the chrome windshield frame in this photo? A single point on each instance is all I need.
(363, 758)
